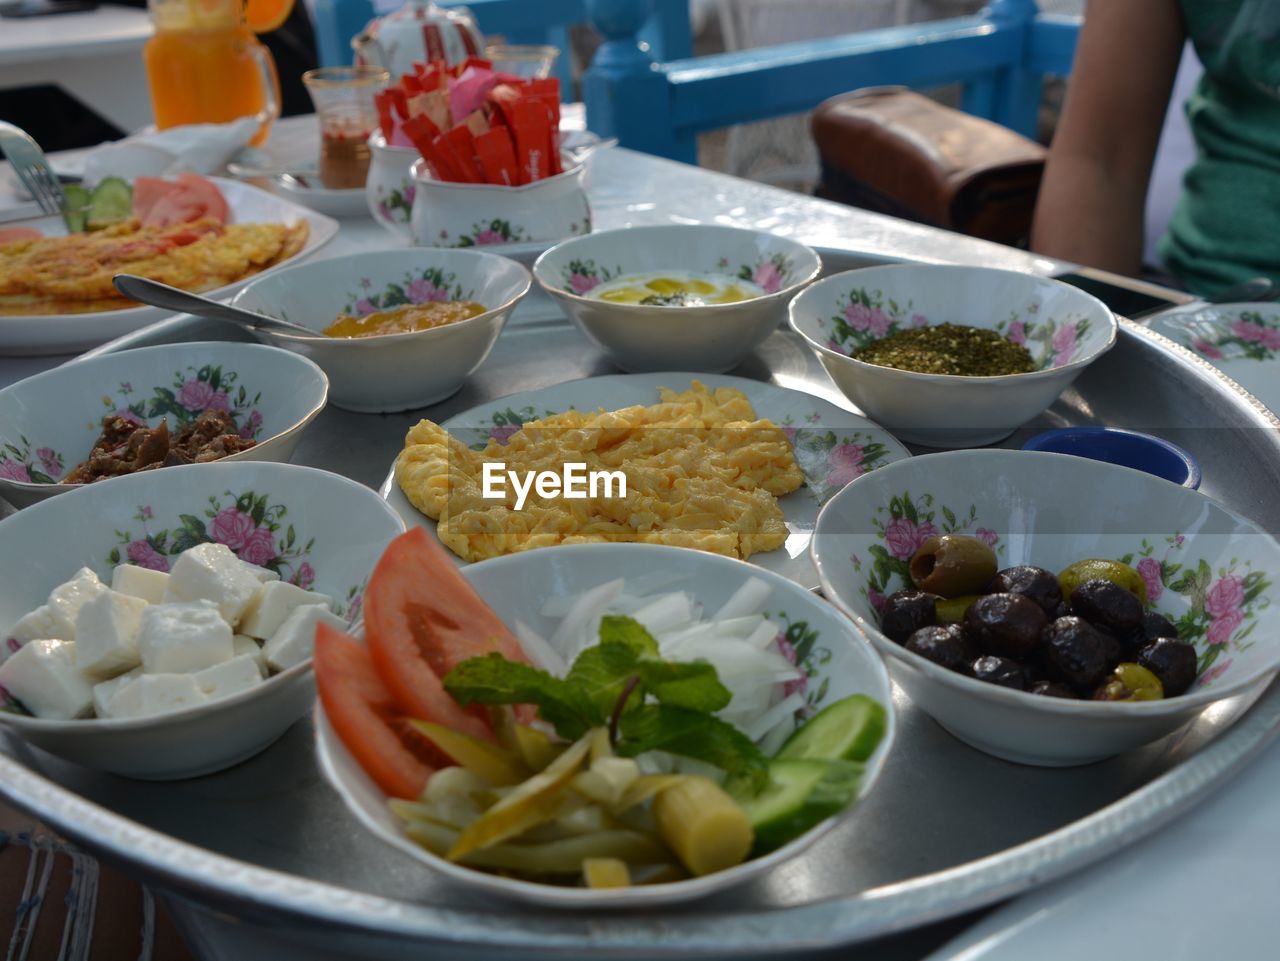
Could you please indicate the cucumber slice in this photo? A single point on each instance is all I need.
(110, 203)
(801, 792)
(77, 213)
(847, 730)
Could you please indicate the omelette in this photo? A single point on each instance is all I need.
(72, 274)
(702, 471)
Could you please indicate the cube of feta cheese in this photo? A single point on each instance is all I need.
(105, 690)
(43, 675)
(243, 644)
(263, 574)
(211, 572)
(272, 604)
(175, 638)
(293, 641)
(155, 694)
(230, 677)
(107, 634)
(140, 582)
(66, 600)
(34, 626)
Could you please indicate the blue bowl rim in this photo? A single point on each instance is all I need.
(1134, 438)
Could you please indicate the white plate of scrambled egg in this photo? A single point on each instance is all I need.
(724, 464)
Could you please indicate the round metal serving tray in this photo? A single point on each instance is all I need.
(946, 830)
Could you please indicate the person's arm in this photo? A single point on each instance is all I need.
(1093, 198)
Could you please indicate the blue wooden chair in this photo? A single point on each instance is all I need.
(1000, 56)
(665, 28)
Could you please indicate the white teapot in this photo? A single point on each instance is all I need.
(420, 31)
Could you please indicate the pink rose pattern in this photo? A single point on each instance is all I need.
(232, 528)
(768, 277)
(583, 283)
(421, 291)
(1149, 568)
(1018, 333)
(904, 536)
(10, 469)
(845, 461)
(987, 536)
(259, 547)
(1251, 335)
(144, 555)
(1064, 344)
(196, 394)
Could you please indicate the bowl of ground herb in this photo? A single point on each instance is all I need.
(949, 356)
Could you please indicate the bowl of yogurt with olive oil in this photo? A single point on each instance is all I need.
(691, 297)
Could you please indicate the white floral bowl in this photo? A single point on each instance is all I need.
(1064, 328)
(449, 214)
(642, 338)
(389, 188)
(314, 528)
(839, 663)
(392, 372)
(48, 422)
(1208, 570)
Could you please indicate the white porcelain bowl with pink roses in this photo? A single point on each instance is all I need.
(1064, 328)
(1210, 571)
(49, 422)
(312, 528)
(642, 338)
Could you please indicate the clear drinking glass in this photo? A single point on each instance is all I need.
(527, 61)
(343, 98)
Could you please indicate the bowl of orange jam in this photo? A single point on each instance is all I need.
(397, 329)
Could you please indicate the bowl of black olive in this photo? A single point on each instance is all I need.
(1049, 609)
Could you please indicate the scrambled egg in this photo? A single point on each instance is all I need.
(72, 274)
(701, 472)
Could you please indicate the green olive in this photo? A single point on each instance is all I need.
(951, 610)
(1130, 682)
(952, 565)
(1096, 569)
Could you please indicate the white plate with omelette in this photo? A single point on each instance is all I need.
(65, 333)
(727, 464)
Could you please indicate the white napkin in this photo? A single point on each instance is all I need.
(197, 148)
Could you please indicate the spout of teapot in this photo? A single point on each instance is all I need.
(369, 52)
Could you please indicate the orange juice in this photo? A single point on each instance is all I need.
(204, 66)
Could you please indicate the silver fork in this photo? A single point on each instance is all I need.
(32, 167)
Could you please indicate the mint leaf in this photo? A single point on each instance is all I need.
(693, 685)
(493, 679)
(662, 727)
(620, 629)
(601, 672)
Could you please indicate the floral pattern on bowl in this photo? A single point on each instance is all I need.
(583, 276)
(1250, 336)
(395, 205)
(191, 392)
(865, 316)
(418, 287)
(1215, 610)
(798, 643)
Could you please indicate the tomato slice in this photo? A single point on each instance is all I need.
(180, 201)
(147, 192)
(422, 618)
(207, 194)
(366, 718)
(13, 235)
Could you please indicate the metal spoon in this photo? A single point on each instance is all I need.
(171, 298)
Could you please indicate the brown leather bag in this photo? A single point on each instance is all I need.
(894, 151)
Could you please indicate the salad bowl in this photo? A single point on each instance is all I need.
(49, 422)
(1064, 329)
(834, 660)
(1208, 570)
(314, 529)
(712, 338)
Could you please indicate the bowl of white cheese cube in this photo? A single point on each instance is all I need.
(161, 626)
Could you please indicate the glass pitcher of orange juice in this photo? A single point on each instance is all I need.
(204, 64)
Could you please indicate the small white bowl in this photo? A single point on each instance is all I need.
(642, 338)
(326, 533)
(347, 202)
(389, 188)
(449, 214)
(1050, 510)
(1064, 328)
(48, 422)
(391, 372)
(839, 663)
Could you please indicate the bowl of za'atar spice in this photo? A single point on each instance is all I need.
(949, 356)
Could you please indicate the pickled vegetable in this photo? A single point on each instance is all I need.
(1095, 568)
(564, 856)
(483, 758)
(605, 873)
(953, 564)
(1130, 682)
(951, 610)
(703, 825)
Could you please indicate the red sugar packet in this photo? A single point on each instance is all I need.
(496, 157)
(424, 134)
(463, 146)
(531, 128)
(382, 101)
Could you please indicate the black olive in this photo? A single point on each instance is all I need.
(1107, 605)
(1002, 671)
(1075, 651)
(1114, 649)
(1052, 689)
(1006, 625)
(944, 645)
(905, 612)
(1171, 660)
(1033, 583)
(1061, 610)
(1157, 625)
